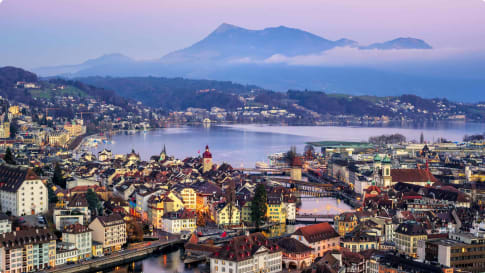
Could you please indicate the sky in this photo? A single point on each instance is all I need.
(37, 33)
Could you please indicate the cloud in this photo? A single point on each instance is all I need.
(348, 56)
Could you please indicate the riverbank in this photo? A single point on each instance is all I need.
(116, 259)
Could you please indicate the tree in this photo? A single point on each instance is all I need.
(51, 195)
(13, 128)
(290, 155)
(58, 179)
(9, 157)
(93, 201)
(258, 205)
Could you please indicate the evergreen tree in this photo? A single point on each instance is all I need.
(9, 157)
(258, 205)
(52, 195)
(58, 179)
(93, 201)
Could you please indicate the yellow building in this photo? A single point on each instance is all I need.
(345, 222)
(74, 129)
(158, 205)
(246, 212)
(5, 129)
(58, 139)
(14, 110)
(110, 231)
(189, 197)
(359, 241)
(407, 236)
(276, 212)
(224, 217)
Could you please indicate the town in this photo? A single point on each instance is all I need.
(414, 206)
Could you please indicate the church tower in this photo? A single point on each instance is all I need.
(163, 154)
(207, 160)
(386, 171)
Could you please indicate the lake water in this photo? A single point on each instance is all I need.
(244, 145)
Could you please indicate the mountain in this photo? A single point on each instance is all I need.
(108, 61)
(233, 53)
(400, 43)
(229, 42)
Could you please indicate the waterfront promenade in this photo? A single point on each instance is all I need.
(117, 258)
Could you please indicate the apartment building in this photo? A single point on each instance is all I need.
(110, 231)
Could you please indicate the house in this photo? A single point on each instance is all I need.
(21, 191)
(66, 252)
(176, 222)
(227, 214)
(295, 254)
(407, 236)
(345, 222)
(81, 237)
(420, 177)
(158, 205)
(5, 225)
(110, 231)
(251, 253)
(28, 250)
(320, 237)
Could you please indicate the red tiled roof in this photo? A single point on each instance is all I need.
(412, 175)
(317, 232)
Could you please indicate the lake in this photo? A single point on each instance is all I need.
(244, 145)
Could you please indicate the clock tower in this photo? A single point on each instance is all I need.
(207, 160)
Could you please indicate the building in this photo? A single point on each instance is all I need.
(207, 160)
(176, 222)
(320, 237)
(59, 138)
(81, 237)
(388, 263)
(5, 225)
(65, 253)
(159, 205)
(296, 255)
(227, 214)
(276, 211)
(66, 217)
(252, 253)
(464, 251)
(28, 250)
(407, 236)
(5, 129)
(345, 222)
(358, 241)
(110, 231)
(21, 191)
(189, 196)
(74, 129)
(420, 177)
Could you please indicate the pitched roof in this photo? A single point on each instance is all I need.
(412, 175)
(76, 228)
(244, 247)
(111, 220)
(12, 177)
(291, 245)
(411, 228)
(317, 232)
(17, 239)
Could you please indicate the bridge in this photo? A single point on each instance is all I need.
(312, 216)
(117, 258)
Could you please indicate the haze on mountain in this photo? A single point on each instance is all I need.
(275, 58)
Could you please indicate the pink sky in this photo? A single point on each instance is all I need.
(51, 32)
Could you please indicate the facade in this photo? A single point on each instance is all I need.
(253, 254)
(296, 255)
(388, 263)
(224, 217)
(345, 222)
(276, 211)
(110, 231)
(158, 205)
(320, 237)
(21, 191)
(81, 237)
(65, 253)
(29, 250)
(5, 225)
(189, 197)
(207, 160)
(407, 236)
(463, 251)
(359, 241)
(176, 222)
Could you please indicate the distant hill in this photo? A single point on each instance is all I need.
(233, 53)
(399, 43)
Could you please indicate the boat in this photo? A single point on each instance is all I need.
(262, 165)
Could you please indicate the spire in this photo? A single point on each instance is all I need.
(164, 149)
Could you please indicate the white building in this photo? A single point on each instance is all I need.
(5, 225)
(252, 253)
(81, 237)
(176, 222)
(21, 191)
